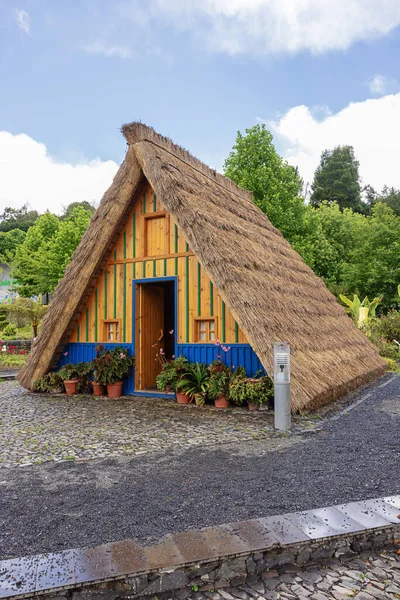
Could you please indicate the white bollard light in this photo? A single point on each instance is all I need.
(283, 417)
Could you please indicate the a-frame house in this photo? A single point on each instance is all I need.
(175, 246)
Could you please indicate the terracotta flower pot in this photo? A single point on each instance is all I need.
(114, 390)
(253, 405)
(221, 402)
(70, 386)
(98, 389)
(182, 398)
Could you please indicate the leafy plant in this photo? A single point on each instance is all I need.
(171, 373)
(257, 390)
(195, 381)
(71, 371)
(220, 377)
(353, 306)
(48, 383)
(111, 365)
(9, 330)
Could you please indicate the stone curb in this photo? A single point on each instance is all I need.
(208, 558)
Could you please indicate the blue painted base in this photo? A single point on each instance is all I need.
(239, 355)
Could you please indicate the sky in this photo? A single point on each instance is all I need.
(318, 73)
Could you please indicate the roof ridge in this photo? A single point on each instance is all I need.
(138, 132)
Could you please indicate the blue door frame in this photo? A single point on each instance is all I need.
(153, 280)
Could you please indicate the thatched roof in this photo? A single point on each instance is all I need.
(272, 294)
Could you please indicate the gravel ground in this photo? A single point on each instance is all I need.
(69, 504)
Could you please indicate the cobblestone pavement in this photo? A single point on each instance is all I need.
(366, 577)
(37, 428)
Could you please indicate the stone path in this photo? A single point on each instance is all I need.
(37, 428)
(367, 577)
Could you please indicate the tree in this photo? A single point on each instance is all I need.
(28, 309)
(71, 207)
(336, 179)
(17, 218)
(40, 261)
(29, 257)
(9, 242)
(255, 165)
(59, 250)
(391, 197)
(372, 267)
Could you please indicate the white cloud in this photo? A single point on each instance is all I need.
(381, 85)
(276, 26)
(29, 174)
(108, 50)
(372, 127)
(23, 20)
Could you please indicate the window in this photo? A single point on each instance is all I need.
(205, 329)
(111, 331)
(156, 234)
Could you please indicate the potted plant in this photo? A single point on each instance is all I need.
(51, 383)
(70, 374)
(220, 376)
(255, 390)
(171, 373)
(194, 383)
(116, 366)
(98, 364)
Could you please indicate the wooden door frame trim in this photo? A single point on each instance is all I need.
(153, 280)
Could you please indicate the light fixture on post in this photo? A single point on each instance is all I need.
(283, 418)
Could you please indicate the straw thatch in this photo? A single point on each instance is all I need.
(271, 292)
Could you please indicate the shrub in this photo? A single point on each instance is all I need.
(220, 377)
(52, 382)
(171, 373)
(257, 390)
(195, 382)
(391, 365)
(71, 371)
(112, 365)
(10, 330)
(8, 359)
(382, 333)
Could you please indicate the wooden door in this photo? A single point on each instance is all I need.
(149, 323)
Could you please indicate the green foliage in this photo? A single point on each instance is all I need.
(219, 383)
(112, 365)
(41, 259)
(12, 360)
(17, 218)
(387, 326)
(74, 371)
(9, 330)
(255, 165)
(353, 306)
(337, 179)
(31, 310)
(195, 381)
(372, 267)
(9, 242)
(3, 316)
(391, 365)
(68, 211)
(171, 373)
(52, 382)
(256, 390)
